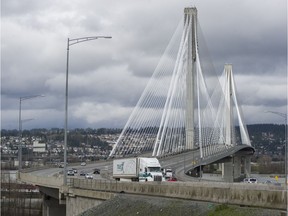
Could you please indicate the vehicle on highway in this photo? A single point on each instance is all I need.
(96, 171)
(61, 165)
(250, 180)
(172, 179)
(75, 170)
(131, 169)
(167, 173)
(88, 176)
(70, 172)
(145, 177)
(82, 173)
(83, 164)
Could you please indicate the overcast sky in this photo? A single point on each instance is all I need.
(107, 77)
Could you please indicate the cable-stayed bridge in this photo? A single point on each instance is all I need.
(188, 118)
(187, 107)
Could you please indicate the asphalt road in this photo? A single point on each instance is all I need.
(175, 162)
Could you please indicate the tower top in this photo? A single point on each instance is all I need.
(228, 67)
(190, 10)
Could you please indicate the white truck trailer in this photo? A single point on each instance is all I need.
(137, 169)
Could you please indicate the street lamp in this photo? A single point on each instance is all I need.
(283, 115)
(20, 127)
(71, 42)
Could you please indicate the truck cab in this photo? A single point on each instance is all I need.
(151, 166)
(145, 177)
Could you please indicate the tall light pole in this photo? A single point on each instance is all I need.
(71, 42)
(283, 115)
(20, 127)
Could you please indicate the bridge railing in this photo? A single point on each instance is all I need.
(257, 195)
(217, 156)
(40, 180)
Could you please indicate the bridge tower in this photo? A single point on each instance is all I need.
(227, 109)
(231, 169)
(230, 98)
(190, 18)
(184, 106)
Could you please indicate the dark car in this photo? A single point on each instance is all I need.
(82, 173)
(96, 171)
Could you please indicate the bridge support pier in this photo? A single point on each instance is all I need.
(52, 207)
(227, 171)
(236, 167)
(247, 165)
(77, 205)
(231, 169)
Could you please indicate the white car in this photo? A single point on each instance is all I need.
(88, 176)
(70, 173)
(83, 164)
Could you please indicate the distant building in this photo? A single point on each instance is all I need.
(39, 147)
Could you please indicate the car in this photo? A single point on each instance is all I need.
(250, 180)
(74, 170)
(172, 179)
(88, 176)
(83, 164)
(61, 165)
(70, 173)
(82, 173)
(96, 171)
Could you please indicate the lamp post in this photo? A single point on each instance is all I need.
(283, 115)
(71, 42)
(20, 127)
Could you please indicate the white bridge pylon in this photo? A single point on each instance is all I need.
(178, 111)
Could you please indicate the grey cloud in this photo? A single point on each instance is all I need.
(252, 35)
(16, 7)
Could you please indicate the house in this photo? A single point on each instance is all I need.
(39, 147)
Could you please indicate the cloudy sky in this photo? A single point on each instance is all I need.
(107, 76)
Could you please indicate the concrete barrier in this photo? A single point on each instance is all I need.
(256, 195)
(40, 180)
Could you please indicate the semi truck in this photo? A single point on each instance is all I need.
(137, 169)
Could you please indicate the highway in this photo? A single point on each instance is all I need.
(176, 162)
